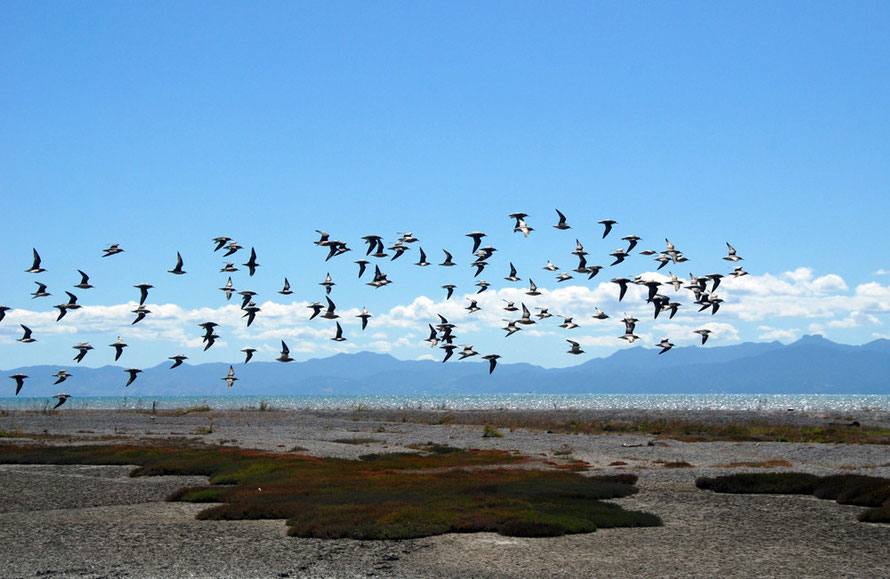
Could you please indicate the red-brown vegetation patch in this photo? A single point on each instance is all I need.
(381, 496)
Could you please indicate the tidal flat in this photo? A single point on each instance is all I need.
(97, 521)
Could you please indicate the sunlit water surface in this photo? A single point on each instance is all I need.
(803, 402)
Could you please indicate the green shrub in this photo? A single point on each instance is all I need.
(489, 431)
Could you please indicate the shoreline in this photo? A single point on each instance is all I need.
(82, 521)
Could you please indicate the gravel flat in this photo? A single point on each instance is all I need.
(96, 521)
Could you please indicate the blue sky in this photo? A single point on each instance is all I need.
(161, 126)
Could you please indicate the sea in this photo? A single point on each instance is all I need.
(758, 402)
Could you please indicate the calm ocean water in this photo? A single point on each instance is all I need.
(809, 402)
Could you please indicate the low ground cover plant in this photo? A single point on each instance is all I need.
(846, 489)
(381, 496)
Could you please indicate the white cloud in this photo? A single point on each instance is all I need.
(770, 333)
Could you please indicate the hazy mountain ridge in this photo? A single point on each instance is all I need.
(810, 365)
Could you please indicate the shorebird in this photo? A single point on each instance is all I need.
(177, 360)
(422, 262)
(285, 291)
(132, 372)
(532, 289)
(447, 262)
(71, 305)
(512, 276)
(41, 291)
(112, 249)
(140, 312)
(143, 291)
(229, 267)
(665, 345)
(3, 310)
(35, 265)
(576, 348)
(338, 337)
(433, 338)
(736, 272)
(177, 269)
(62, 375)
(619, 255)
(483, 285)
(449, 351)
(251, 263)
(511, 328)
(492, 361)
(230, 377)
(362, 265)
(84, 281)
(550, 266)
(631, 242)
(82, 349)
(231, 248)
(228, 289)
(248, 354)
(732, 255)
(477, 239)
(399, 248)
(543, 313)
(473, 307)
(600, 314)
(379, 279)
(220, 242)
(479, 265)
(467, 352)
(329, 312)
(246, 297)
(622, 284)
(630, 338)
(510, 307)
(582, 265)
(250, 312)
(526, 319)
(26, 338)
(371, 240)
(118, 348)
(522, 227)
(62, 398)
(562, 221)
(630, 323)
(593, 270)
(379, 253)
(285, 354)
(316, 308)
(704, 333)
(328, 284)
(608, 223)
(210, 340)
(19, 382)
(449, 287)
(567, 323)
(365, 315)
(564, 276)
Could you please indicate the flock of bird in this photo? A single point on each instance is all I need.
(441, 334)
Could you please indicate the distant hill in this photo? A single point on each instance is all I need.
(810, 365)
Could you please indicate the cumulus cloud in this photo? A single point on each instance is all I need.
(770, 333)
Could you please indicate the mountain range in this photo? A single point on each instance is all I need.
(811, 365)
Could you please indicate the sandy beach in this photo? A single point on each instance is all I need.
(96, 521)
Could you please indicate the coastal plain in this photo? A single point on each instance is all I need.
(97, 521)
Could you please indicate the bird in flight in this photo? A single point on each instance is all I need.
(132, 372)
(19, 382)
(177, 269)
(230, 377)
(35, 265)
(112, 249)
